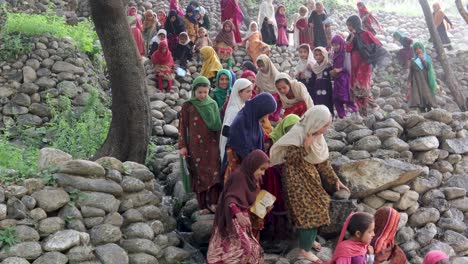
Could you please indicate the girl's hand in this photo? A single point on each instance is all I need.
(243, 220)
(421, 56)
(183, 152)
(370, 250)
(340, 185)
(269, 208)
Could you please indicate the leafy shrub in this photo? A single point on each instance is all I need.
(16, 162)
(9, 237)
(13, 45)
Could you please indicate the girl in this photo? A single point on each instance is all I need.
(421, 80)
(293, 95)
(341, 95)
(282, 23)
(316, 20)
(356, 249)
(183, 50)
(267, 22)
(265, 82)
(160, 36)
(191, 22)
(150, 28)
(442, 24)
(254, 44)
(386, 225)
(202, 41)
(406, 53)
(203, 18)
(174, 5)
(245, 133)
(162, 17)
(321, 82)
(367, 18)
(232, 240)
(223, 87)
(436, 257)
(305, 158)
(211, 64)
(174, 26)
(224, 43)
(163, 64)
(241, 92)
(248, 65)
(230, 10)
(136, 26)
(302, 31)
(361, 69)
(200, 124)
(304, 65)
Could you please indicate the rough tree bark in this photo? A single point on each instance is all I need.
(450, 80)
(462, 10)
(130, 128)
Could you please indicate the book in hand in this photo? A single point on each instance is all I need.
(263, 201)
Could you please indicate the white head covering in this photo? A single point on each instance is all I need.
(318, 68)
(250, 32)
(266, 81)
(267, 9)
(202, 12)
(156, 38)
(302, 64)
(234, 105)
(313, 120)
(298, 89)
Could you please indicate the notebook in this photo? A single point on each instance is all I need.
(262, 202)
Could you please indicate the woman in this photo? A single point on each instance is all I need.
(230, 10)
(361, 69)
(422, 80)
(174, 5)
(267, 10)
(136, 26)
(232, 240)
(241, 92)
(406, 53)
(305, 158)
(295, 99)
(386, 225)
(248, 133)
(150, 28)
(282, 23)
(442, 24)
(200, 124)
(174, 26)
(367, 18)
(265, 82)
(224, 43)
(254, 44)
(223, 87)
(211, 64)
(316, 20)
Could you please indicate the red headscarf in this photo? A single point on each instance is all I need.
(248, 73)
(176, 6)
(364, 11)
(139, 24)
(434, 256)
(162, 58)
(280, 19)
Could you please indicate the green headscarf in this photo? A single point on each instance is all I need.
(430, 69)
(400, 37)
(219, 93)
(207, 108)
(284, 126)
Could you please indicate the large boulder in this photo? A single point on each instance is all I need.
(456, 145)
(339, 211)
(366, 177)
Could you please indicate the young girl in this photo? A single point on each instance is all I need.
(191, 22)
(248, 65)
(162, 17)
(367, 18)
(421, 80)
(316, 20)
(282, 23)
(150, 28)
(304, 65)
(442, 23)
(224, 43)
(355, 249)
(232, 240)
(163, 64)
(341, 94)
(268, 32)
(202, 41)
(321, 82)
(254, 44)
(160, 36)
(136, 26)
(183, 50)
(406, 53)
(203, 18)
(230, 10)
(293, 95)
(265, 82)
(174, 5)
(436, 257)
(200, 124)
(267, 22)
(223, 87)
(211, 64)
(174, 26)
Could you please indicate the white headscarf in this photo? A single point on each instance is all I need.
(156, 38)
(267, 9)
(318, 68)
(266, 81)
(250, 32)
(298, 89)
(313, 120)
(302, 64)
(234, 105)
(202, 12)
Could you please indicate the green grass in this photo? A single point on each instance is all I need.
(9, 237)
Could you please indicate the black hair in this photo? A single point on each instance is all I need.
(359, 222)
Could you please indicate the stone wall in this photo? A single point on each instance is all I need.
(99, 212)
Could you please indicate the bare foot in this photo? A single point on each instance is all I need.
(204, 212)
(309, 256)
(212, 208)
(317, 247)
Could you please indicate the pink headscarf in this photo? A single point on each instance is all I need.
(174, 5)
(139, 24)
(434, 256)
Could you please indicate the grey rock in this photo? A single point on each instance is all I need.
(29, 88)
(88, 211)
(52, 258)
(358, 154)
(132, 216)
(89, 184)
(16, 209)
(385, 133)
(457, 241)
(62, 66)
(369, 143)
(104, 234)
(338, 211)
(437, 245)
(70, 212)
(22, 99)
(453, 192)
(452, 224)
(93, 221)
(111, 254)
(29, 202)
(456, 145)
(430, 128)
(114, 219)
(202, 231)
(83, 168)
(142, 198)
(28, 120)
(440, 115)
(110, 163)
(174, 255)
(428, 157)
(51, 199)
(142, 174)
(38, 214)
(62, 240)
(131, 184)
(139, 230)
(50, 225)
(80, 254)
(45, 83)
(68, 89)
(424, 183)
(170, 131)
(29, 74)
(396, 144)
(27, 250)
(423, 216)
(374, 201)
(460, 203)
(27, 234)
(15, 260)
(424, 144)
(51, 157)
(425, 235)
(358, 134)
(157, 227)
(3, 211)
(142, 258)
(11, 109)
(150, 212)
(139, 245)
(404, 235)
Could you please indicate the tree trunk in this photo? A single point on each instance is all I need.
(244, 10)
(452, 84)
(462, 10)
(130, 129)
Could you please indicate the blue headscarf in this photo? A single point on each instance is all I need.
(245, 132)
(193, 17)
